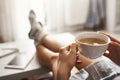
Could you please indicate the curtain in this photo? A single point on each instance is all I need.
(14, 23)
(96, 14)
(62, 14)
(12, 20)
(55, 15)
(6, 28)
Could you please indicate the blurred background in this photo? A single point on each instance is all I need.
(58, 16)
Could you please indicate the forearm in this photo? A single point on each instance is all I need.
(54, 70)
(63, 73)
(60, 74)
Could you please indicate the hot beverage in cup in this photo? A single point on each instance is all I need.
(92, 44)
(92, 41)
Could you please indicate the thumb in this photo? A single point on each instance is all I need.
(73, 50)
(62, 50)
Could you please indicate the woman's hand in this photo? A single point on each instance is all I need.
(67, 55)
(66, 61)
(114, 49)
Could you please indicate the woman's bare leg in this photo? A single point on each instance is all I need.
(55, 42)
(48, 49)
(37, 33)
(45, 56)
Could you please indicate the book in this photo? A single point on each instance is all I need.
(7, 51)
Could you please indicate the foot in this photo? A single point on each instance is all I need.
(32, 16)
(36, 31)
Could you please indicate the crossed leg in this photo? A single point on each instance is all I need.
(48, 50)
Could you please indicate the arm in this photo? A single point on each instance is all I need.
(68, 58)
(66, 61)
(63, 72)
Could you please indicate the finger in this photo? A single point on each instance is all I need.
(62, 50)
(78, 43)
(107, 54)
(68, 48)
(114, 46)
(73, 49)
(113, 49)
(112, 38)
(78, 59)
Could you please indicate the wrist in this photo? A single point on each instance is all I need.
(63, 72)
(64, 67)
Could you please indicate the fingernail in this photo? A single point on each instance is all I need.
(78, 61)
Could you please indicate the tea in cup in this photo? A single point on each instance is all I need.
(92, 44)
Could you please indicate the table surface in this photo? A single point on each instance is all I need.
(33, 67)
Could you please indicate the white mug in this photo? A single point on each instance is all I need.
(90, 50)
